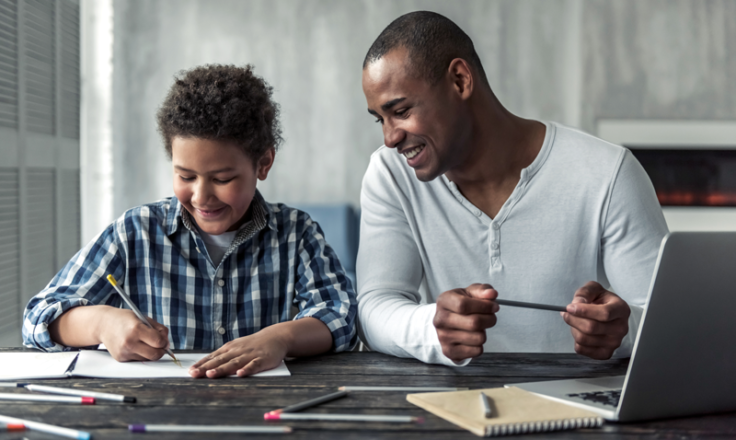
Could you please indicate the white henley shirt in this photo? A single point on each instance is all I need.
(584, 210)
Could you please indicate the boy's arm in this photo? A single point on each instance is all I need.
(81, 282)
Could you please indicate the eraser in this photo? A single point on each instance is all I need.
(88, 400)
(271, 416)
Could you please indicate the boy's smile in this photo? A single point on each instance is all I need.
(216, 181)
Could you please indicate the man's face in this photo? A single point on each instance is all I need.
(215, 181)
(422, 121)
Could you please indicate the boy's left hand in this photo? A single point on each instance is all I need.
(243, 356)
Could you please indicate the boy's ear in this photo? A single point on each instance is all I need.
(265, 163)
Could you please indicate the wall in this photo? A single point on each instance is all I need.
(571, 61)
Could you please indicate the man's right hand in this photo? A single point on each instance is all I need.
(461, 320)
(128, 339)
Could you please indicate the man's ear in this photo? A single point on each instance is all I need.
(265, 163)
(462, 77)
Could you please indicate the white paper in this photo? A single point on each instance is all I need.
(35, 365)
(95, 363)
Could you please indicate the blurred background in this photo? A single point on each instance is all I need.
(80, 83)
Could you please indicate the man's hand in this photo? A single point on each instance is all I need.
(128, 339)
(244, 356)
(599, 320)
(461, 320)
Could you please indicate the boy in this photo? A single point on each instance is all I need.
(215, 266)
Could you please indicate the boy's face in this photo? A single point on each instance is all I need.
(215, 181)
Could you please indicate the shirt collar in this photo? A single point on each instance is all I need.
(262, 215)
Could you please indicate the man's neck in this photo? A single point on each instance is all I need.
(502, 145)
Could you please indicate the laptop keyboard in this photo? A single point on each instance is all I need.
(608, 398)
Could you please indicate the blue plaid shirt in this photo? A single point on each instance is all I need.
(279, 258)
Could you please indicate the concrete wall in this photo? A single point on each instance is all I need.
(571, 61)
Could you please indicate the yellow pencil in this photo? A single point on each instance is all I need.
(137, 312)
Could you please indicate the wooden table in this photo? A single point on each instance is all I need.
(244, 401)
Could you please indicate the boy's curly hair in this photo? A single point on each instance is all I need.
(221, 102)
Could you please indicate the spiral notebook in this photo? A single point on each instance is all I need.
(514, 411)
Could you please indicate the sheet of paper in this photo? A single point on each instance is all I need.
(95, 363)
(34, 365)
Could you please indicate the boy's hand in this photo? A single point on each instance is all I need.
(244, 356)
(128, 339)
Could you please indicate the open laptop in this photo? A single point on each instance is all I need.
(684, 358)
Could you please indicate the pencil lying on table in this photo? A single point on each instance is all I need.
(211, 428)
(137, 312)
(343, 417)
(310, 403)
(81, 393)
(50, 429)
(57, 399)
(409, 389)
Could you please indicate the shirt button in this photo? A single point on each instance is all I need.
(496, 226)
(221, 330)
(198, 251)
(494, 245)
(221, 283)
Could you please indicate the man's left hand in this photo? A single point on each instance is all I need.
(599, 320)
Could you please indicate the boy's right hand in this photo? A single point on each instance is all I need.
(128, 339)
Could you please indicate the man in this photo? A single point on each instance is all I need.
(467, 202)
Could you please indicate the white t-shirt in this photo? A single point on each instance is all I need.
(217, 245)
(584, 210)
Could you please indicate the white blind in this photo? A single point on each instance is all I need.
(9, 251)
(70, 62)
(40, 59)
(8, 64)
(39, 229)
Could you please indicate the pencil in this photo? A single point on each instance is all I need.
(11, 385)
(83, 393)
(137, 312)
(343, 417)
(409, 389)
(526, 305)
(50, 429)
(211, 428)
(57, 399)
(310, 403)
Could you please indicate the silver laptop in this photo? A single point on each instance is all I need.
(684, 357)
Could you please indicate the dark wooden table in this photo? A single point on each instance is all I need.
(234, 401)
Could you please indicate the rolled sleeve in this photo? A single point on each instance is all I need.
(81, 282)
(323, 290)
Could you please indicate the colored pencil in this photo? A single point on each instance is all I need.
(409, 389)
(310, 403)
(56, 399)
(83, 393)
(50, 429)
(343, 417)
(211, 428)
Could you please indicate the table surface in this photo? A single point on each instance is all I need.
(234, 401)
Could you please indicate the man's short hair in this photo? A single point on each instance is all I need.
(224, 103)
(432, 41)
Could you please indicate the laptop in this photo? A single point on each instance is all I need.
(684, 358)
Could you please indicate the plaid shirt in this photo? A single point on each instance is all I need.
(277, 259)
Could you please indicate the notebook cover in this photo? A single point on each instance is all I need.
(515, 411)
